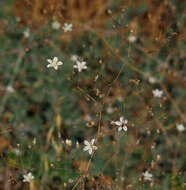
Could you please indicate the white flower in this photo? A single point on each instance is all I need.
(152, 80)
(157, 93)
(147, 176)
(26, 33)
(28, 177)
(180, 127)
(77, 144)
(80, 65)
(122, 123)
(10, 89)
(67, 27)
(54, 63)
(68, 142)
(56, 25)
(89, 146)
(74, 58)
(110, 110)
(132, 38)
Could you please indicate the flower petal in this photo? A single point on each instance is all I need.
(118, 123)
(95, 147)
(90, 151)
(59, 63)
(125, 128)
(86, 142)
(92, 141)
(121, 119)
(55, 59)
(86, 148)
(49, 60)
(120, 128)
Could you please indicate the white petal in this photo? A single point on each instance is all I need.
(86, 142)
(92, 141)
(55, 59)
(49, 65)
(125, 121)
(56, 67)
(59, 63)
(86, 148)
(118, 123)
(75, 66)
(125, 128)
(120, 128)
(49, 60)
(90, 151)
(95, 147)
(121, 119)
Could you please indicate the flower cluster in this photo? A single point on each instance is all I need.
(79, 65)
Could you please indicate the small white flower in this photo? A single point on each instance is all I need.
(152, 80)
(147, 176)
(89, 146)
(68, 142)
(122, 123)
(77, 144)
(67, 27)
(74, 58)
(80, 65)
(56, 25)
(26, 33)
(54, 63)
(157, 93)
(10, 89)
(110, 110)
(132, 38)
(28, 177)
(180, 127)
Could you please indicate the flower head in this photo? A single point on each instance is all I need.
(26, 33)
(147, 176)
(74, 58)
(56, 25)
(80, 65)
(28, 177)
(68, 142)
(10, 89)
(152, 80)
(180, 127)
(122, 123)
(54, 63)
(157, 93)
(132, 38)
(67, 27)
(89, 146)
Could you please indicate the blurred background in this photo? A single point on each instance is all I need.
(130, 48)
